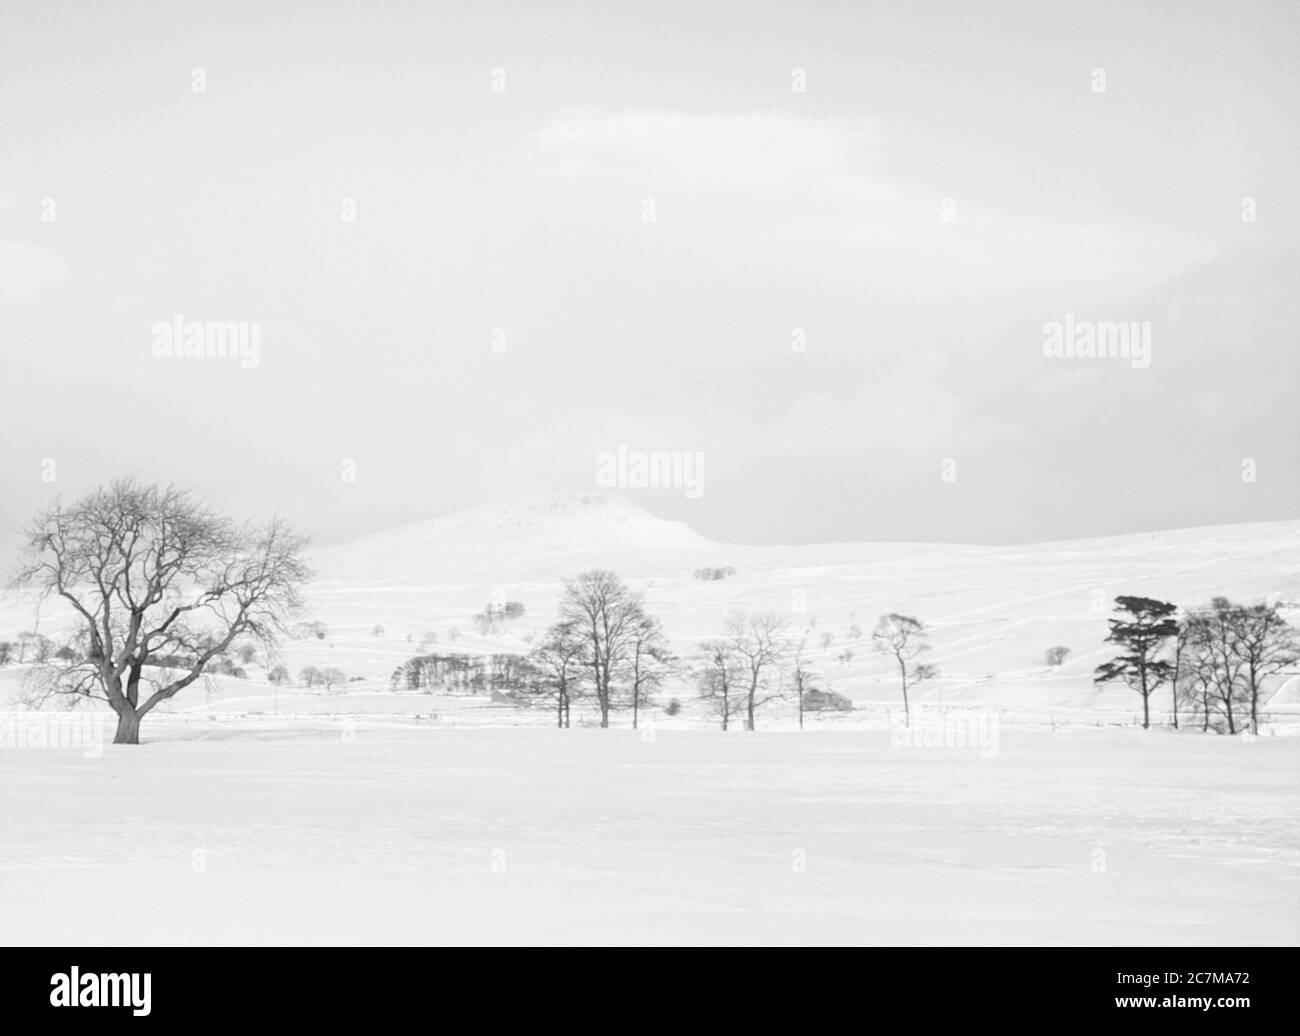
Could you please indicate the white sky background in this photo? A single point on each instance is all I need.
(775, 210)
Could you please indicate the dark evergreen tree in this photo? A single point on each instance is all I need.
(1144, 626)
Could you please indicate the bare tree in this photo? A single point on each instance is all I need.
(331, 677)
(1266, 644)
(717, 678)
(152, 574)
(800, 674)
(1178, 673)
(649, 661)
(1214, 661)
(558, 660)
(760, 647)
(903, 638)
(606, 613)
(309, 676)
(1195, 671)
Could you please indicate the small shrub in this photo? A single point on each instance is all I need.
(1056, 655)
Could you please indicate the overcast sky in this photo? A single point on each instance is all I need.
(950, 180)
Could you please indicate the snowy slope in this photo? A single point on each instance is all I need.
(554, 530)
(993, 610)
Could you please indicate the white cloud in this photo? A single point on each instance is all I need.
(774, 182)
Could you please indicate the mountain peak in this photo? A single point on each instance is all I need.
(568, 528)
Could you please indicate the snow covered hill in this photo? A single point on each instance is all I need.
(538, 535)
(993, 611)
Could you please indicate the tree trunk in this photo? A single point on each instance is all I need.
(636, 703)
(1173, 684)
(1146, 712)
(128, 727)
(907, 709)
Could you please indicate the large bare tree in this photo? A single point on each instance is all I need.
(160, 586)
(606, 615)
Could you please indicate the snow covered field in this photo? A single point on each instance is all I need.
(330, 832)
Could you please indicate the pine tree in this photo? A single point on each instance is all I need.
(1141, 631)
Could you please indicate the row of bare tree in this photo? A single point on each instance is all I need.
(605, 645)
(1218, 660)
